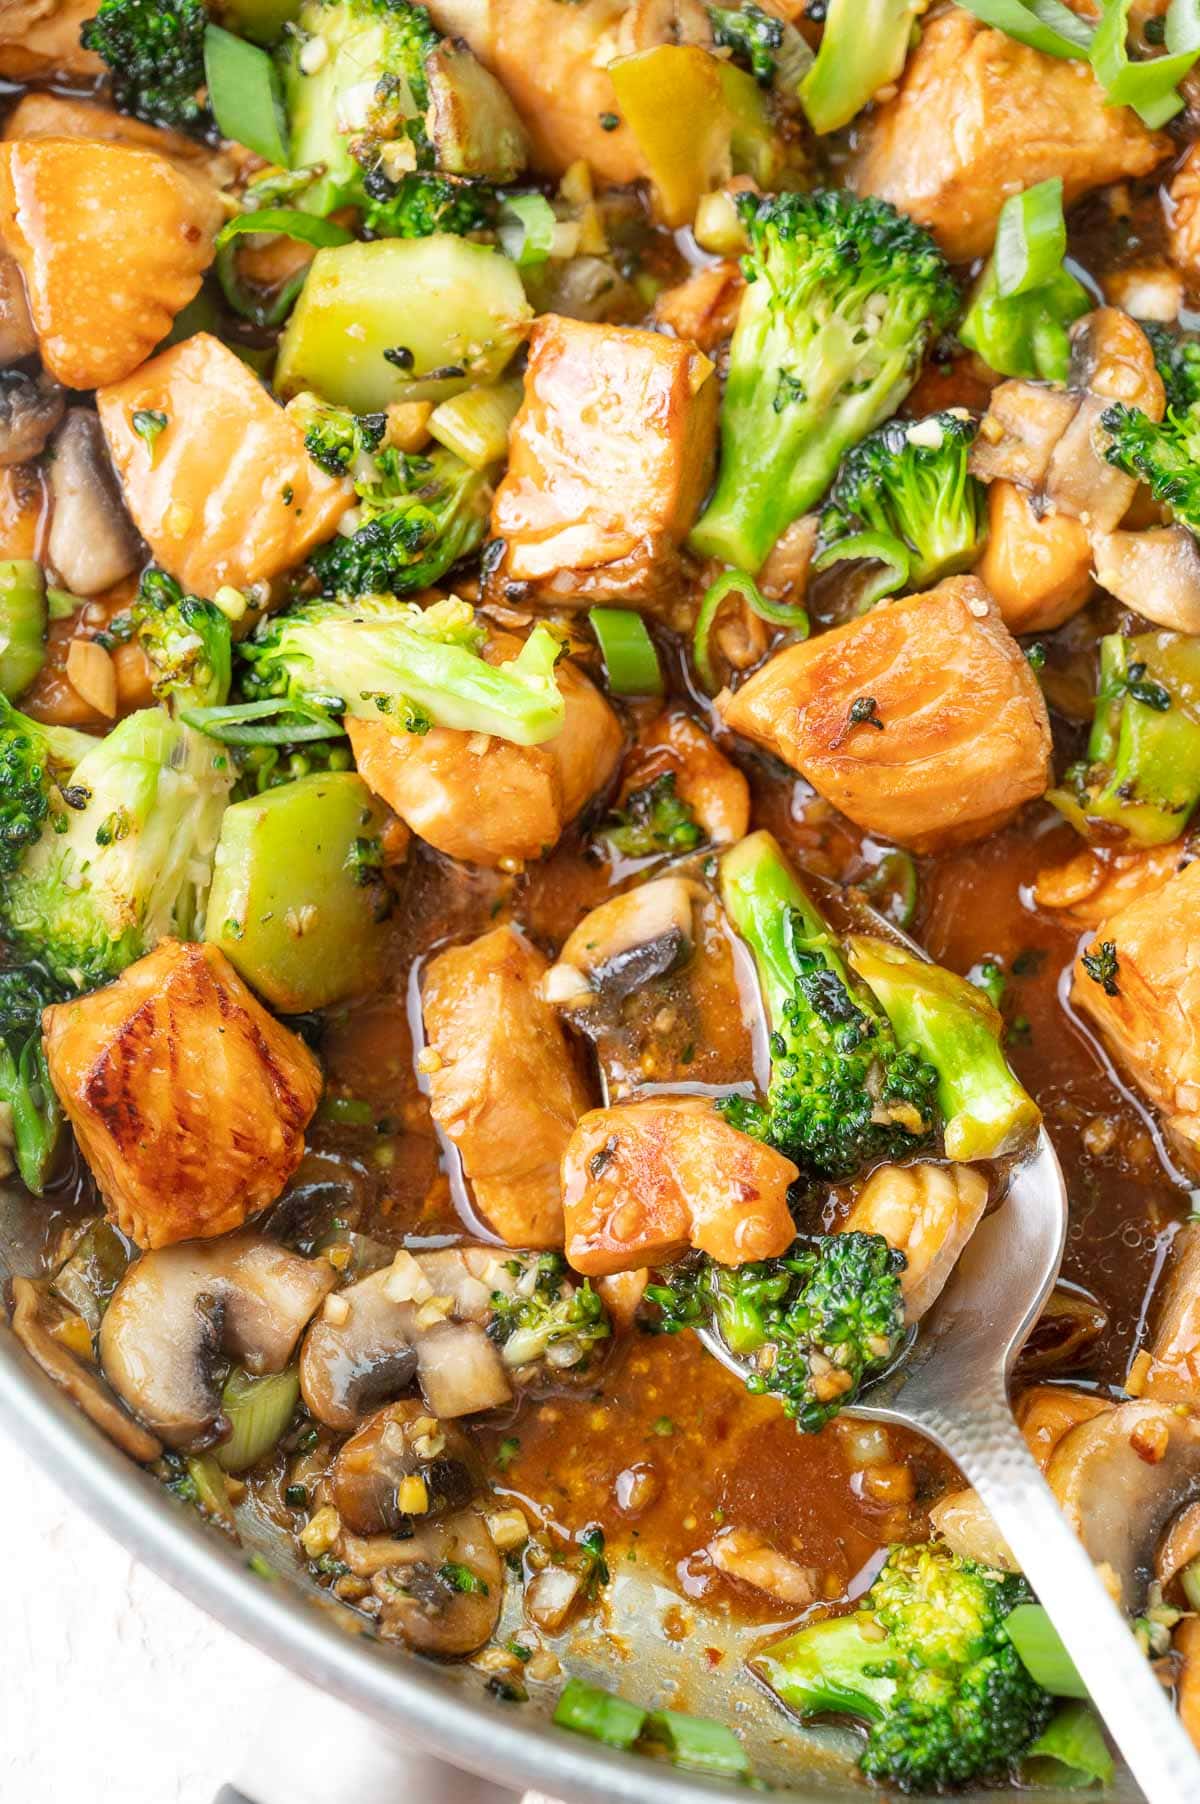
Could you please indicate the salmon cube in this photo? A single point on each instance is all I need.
(1140, 986)
(228, 494)
(646, 1181)
(921, 721)
(482, 799)
(188, 1099)
(102, 291)
(504, 1085)
(40, 38)
(979, 117)
(610, 457)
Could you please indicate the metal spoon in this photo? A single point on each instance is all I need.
(953, 1387)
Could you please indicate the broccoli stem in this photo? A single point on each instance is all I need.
(955, 1027)
(830, 1667)
(774, 915)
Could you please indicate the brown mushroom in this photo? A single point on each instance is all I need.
(376, 1336)
(403, 1466)
(1121, 1478)
(93, 543)
(29, 412)
(1156, 571)
(624, 944)
(442, 1590)
(1111, 361)
(1179, 1547)
(32, 1320)
(179, 1309)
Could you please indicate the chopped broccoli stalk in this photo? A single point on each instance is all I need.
(845, 1088)
(864, 47)
(1177, 359)
(418, 516)
(30, 1118)
(154, 50)
(925, 1665)
(386, 659)
(753, 36)
(547, 1316)
(187, 642)
(951, 1025)
(909, 481)
(423, 203)
(103, 862)
(655, 819)
(22, 624)
(815, 1325)
(1165, 456)
(1142, 771)
(368, 91)
(842, 298)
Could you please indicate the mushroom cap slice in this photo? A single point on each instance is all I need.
(402, 1441)
(421, 1590)
(1121, 1478)
(178, 1309)
(81, 1381)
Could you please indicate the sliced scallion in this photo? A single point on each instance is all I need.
(698, 1742)
(275, 721)
(526, 229)
(587, 1710)
(630, 660)
(474, 425)
(1044, 25)
(259, 1410)
(1071, 1750)
(245, 95)
(735, 584)
(1031, 238)
(882, 548)
(1041, 1651)
(1147, 86)
(863, 48)
(275, 222)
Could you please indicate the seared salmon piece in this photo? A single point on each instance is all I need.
(43, 115)
(1141, 989)
(188, 1099)
(504, 1084)
(610, 456)
(40, 38)
(112, 242)
(1037, 567)
(228, 494)
(24, 511)
(53, 698)
(1184, 216)
(979, 117)
(1098, 882)
(645, 1181)
(921, 721)
(705, 781)
(482, 799)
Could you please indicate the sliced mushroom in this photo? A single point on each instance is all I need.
(17, 336)
(649, 23)
(402, 1467)
(1023, 424)
(1111, 361)
(621, 946)
(1066, 1331)
(1169, 1370)
(178, 1310)
(742, 1554)
(1121, 1478)
(29, 412)
(967, 1529)
(1179, 1546)
(1156, 572)
(376, 1336)
(442, 1590)
(32, 1316)
(93, 543)
(928, 1212)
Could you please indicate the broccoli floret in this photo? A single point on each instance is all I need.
(908, 481)
(154, 50)
(105, 861)
(418, 516)
(1142, 770)
(754, 37)
(844, 1090)
(34, 761)
(815, 1324)
(383, 658)
(30, 1118)
(925, 1665)
(546, 1316)
(339, 442)
(1166, 456)
(1177, 359)
(423, 203)
(187, 642)
(655, 819)
(843, 295)
(368, 91)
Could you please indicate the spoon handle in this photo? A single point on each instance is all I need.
(988, 1448)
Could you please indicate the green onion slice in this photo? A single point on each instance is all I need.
(526, 229)
(259, 1409)
(1041, 1651)
(737, 583)
(880, 547)
(1189, 1578)
(698, 1742)
(1071, 1751)
(275, 222)
(1031, 239)
(588, 1710)
(630, 659)
(279, 720)
(1044, 25)
(245, 95)
(1149, 86)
